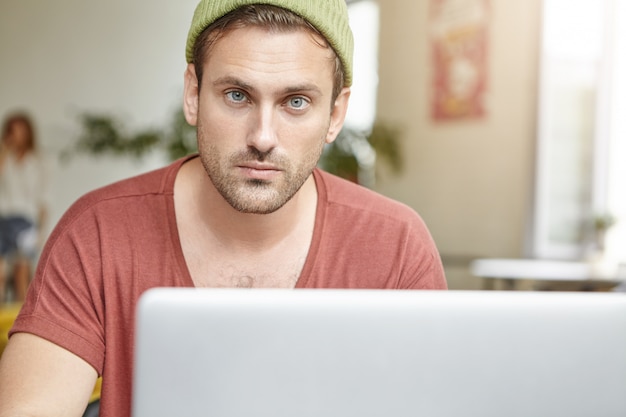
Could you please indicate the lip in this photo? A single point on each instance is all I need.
(259, 170)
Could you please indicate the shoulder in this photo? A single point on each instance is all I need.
(349, 209)
(156, 182)
(377, 242)
(135, 215)
(118, 203)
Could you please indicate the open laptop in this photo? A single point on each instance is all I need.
(361, 353)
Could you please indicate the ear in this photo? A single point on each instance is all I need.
(190, 95)
(338, 114)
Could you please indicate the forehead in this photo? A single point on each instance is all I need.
(263, 54)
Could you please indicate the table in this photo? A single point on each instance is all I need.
(547, 274)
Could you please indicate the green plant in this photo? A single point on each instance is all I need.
(181, 138)
(603, 222)
(353, 155)
(105, 134)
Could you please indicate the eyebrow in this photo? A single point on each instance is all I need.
(298, 88)
(308, 87)
(228, 80)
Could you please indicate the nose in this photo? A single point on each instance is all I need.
(263, 130)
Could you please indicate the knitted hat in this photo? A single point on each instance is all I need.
(330, 17)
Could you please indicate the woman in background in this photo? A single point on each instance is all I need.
(22, 203)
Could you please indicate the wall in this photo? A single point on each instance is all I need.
(470, 180)
(63, 57)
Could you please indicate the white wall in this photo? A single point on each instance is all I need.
(63, 57)
(471, 180)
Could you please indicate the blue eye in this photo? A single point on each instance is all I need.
(298, 102)
(236, 96)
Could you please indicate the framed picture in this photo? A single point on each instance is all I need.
(459, 47)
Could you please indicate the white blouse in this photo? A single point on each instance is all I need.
(23, 186)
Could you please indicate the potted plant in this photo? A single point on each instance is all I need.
(354, 154)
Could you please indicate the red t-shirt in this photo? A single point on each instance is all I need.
(118, 241)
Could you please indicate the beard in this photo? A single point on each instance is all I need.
(256, 196)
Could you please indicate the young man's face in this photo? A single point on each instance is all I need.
(263, 114)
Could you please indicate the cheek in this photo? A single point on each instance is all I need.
(215, 129)
(208, 139)
(307, 132)
(301, 142)
(306, 148)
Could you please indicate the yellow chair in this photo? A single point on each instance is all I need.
(8, 312)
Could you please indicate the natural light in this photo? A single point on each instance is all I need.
(364, 23)
(581, 166)
(616, 245)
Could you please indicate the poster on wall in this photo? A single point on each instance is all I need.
(459, 35)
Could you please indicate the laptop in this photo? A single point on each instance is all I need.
(374, 353)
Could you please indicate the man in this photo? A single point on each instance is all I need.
(267, 86)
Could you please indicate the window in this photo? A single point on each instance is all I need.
(364, 18)
(581, 155)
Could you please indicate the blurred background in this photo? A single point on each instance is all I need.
(501, 120)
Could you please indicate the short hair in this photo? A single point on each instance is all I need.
(272, 18)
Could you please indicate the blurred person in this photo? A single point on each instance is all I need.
(23, 202)
(267, 86)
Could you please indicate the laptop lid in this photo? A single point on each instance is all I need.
(343, 353)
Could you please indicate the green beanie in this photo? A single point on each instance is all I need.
(330, 17)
